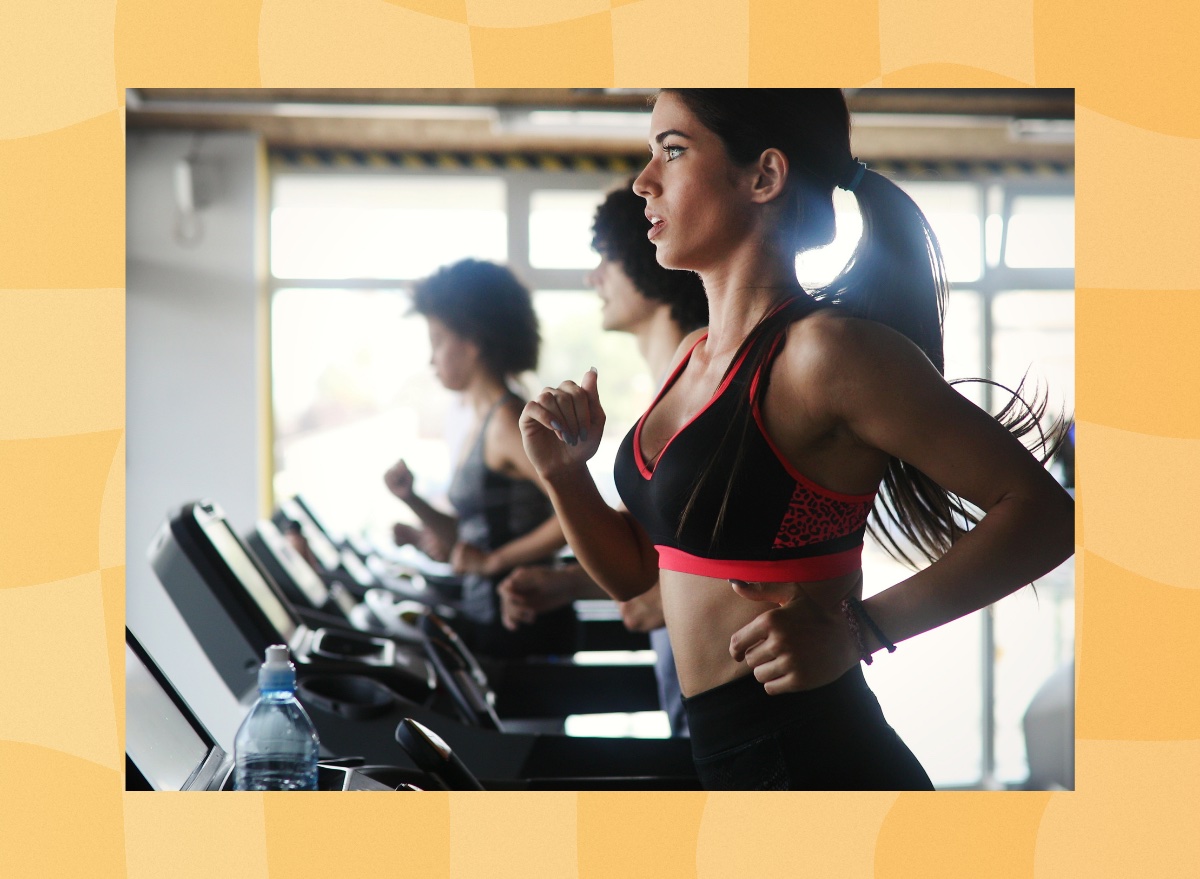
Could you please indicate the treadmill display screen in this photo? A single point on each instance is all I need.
(322, 547)
(306, 579)
(243, 568)
(159, 739)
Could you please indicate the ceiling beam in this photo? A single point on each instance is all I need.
(898, 124)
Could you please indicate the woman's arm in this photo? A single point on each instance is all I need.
(561, 430)
(399, 480)
(890, 397)
(535, 546)
(879, 392)
(504, 453)
(527, 593)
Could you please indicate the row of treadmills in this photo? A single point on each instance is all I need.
(398, 700)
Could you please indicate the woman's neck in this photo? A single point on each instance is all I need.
(743, 290)
(483, 392)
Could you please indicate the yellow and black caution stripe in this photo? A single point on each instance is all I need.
(283, 159)
(972, 170)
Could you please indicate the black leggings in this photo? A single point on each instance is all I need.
(831, 738)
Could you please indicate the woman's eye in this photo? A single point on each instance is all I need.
(672, 152)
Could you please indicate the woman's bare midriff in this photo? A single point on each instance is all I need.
(703, 613)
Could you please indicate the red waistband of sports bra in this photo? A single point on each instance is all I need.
(821, 567)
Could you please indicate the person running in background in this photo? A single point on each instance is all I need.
(659, 308)
(483, 333)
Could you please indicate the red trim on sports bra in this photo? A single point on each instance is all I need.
(784, 462)
(647, 471)
(822, 567)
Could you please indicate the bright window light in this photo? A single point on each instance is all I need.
(929, 688)
(637, 725)
(353, 392)
(963, 346)
(1035, 330)
(560, 228)
(1034, 637)
(343, 226)
(1041, 232)
(816, 268)
(953, 211)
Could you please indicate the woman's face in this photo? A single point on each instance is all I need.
(454, 358)
(695, 195)
(624, 307)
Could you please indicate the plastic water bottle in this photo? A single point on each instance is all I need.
(276, 746)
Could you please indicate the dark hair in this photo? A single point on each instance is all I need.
(895, 276)
(485, 304)
(619, 234)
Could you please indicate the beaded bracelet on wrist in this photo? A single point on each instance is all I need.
(852, 622)
(861, 612)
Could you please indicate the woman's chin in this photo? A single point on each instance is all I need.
(664, 259)
(669, 260)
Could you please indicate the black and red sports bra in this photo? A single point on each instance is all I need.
(779, 526)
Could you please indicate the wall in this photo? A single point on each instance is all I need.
(193, 412)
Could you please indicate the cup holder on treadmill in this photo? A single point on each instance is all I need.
(351, 696)
(333, 645)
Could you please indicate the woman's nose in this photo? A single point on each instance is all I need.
(642, 185)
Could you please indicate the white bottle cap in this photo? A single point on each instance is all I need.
(277, 673)
(277, 656)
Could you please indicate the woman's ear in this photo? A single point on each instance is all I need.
(770, 177)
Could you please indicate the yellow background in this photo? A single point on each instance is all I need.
(63, 67)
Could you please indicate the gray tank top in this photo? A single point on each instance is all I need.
(493, 509)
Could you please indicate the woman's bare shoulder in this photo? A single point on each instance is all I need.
(505, 421)
(832, 341)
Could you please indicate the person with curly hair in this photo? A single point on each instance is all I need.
(659, 307)
(483, 333)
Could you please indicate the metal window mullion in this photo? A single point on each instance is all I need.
(518, 192)
(341, 283)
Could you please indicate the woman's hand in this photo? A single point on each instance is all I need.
(799, 645)
(399, 480)
(561, 427)
(468, 558)
(424, 539)
(530, 591)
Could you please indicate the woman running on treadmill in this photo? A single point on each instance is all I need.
(483, 333)
(751, 478)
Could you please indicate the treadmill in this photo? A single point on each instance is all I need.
(236, 612)
(357, 690)
(531, 688)
(353, 565)
(417, 577)
(168, 748)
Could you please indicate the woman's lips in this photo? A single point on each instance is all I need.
(656, 226)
